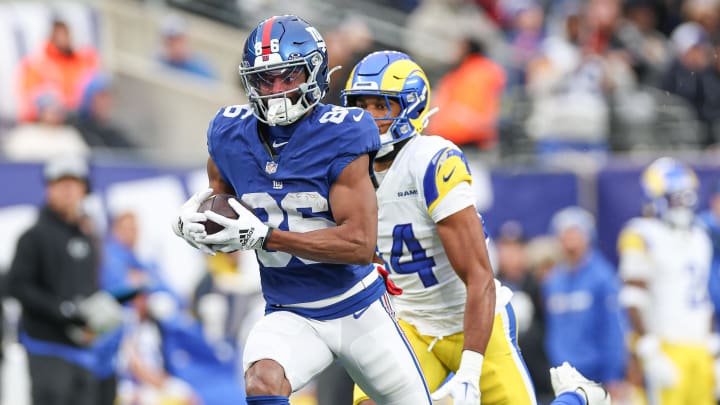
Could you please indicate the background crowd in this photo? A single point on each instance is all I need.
(585, 88)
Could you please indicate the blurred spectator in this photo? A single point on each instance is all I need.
(346, 44)
(710, 219)
(144, 378)
(122, 271)
(177, 51)
(468, 99)
(569, 111)
(93, 118)
(581, 67)
(235, 279)
(65, 319)
(514, 271)
(525, 35)
(46, 137)
(684, 76)
(56, 66)
(581, 303)
(706, 13)
(647, 47)
(711, 98)
(436, 28)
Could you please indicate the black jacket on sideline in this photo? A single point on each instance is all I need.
(54, 262)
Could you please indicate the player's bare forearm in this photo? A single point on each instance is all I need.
(215, 179)
(636, 320)
(330, 245)
(464, 242)
(479, 314)
(354, 207)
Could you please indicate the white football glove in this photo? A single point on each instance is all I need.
(464, 386)
(189, 223)
(102, 311)
(658, 368)
(246, 232)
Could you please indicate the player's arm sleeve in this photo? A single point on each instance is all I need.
(446, 184)
(212, 134)
(354, 139)
(23, 280)
(635, 262)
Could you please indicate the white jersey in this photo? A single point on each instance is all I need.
(675, 264)
(428, 181)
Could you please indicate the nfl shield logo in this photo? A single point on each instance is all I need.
(270, 167)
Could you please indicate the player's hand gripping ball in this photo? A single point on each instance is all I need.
(218, 204)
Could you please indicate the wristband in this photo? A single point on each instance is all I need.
(267, 237)
(471, 363)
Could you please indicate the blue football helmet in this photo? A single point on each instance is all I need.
(393, 75)
(284, 69)
(671, 188)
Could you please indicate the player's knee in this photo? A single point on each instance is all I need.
(266, 377)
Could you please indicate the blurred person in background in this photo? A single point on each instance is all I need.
(514, 271)
(665, 263)
(122, 270)
(706, 13)
(47, 136)
(236, 278)
(582, 66)
(710, 219)
(57, 65)
(177, 52)
(436, 29)
(525, 34)
(566, 87)
(94, 116)
(647, 47)
(144, 379)
(468, 98)
(711, 98)
(584, 322)
(347, 44)
(684, 76)
(68, 328)
(431, 238)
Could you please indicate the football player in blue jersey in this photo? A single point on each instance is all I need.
(301, 170)
(457, 317)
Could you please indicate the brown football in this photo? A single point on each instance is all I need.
(218, 204)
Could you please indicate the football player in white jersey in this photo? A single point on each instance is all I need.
(665, 262)
(430, 236)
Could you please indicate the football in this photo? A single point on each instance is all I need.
(218, 204)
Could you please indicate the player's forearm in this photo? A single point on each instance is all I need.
(330, 245)
(636, 321)
(479, 313)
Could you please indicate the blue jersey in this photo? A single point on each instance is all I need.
(291, 192)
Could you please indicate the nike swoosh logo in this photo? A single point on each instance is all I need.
(279, 144)
(358, 117)
(359, 313)
(446, 178)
